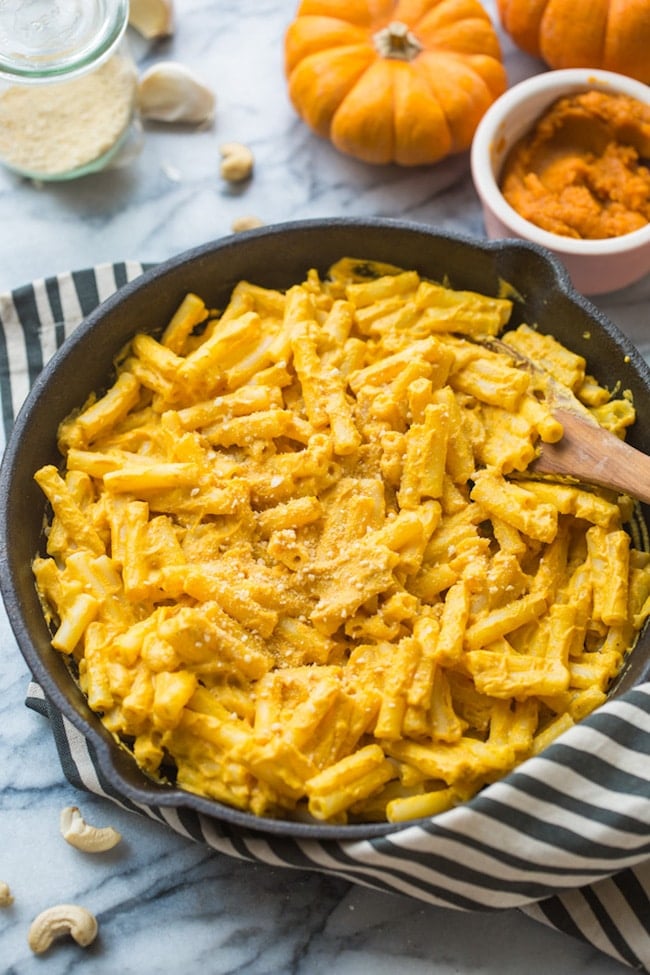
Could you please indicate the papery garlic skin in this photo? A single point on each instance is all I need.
(170, 92)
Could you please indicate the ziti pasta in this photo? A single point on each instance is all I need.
(296, 562)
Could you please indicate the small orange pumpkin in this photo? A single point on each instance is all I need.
(404, 81)
(613, 35)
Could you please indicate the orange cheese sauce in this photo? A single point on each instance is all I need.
(584, 169)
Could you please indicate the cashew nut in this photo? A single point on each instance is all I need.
(58, 921)
(240, 224)
(6, 899)
(237, 163)
(170, 92)
(90, 839)
(151, 18)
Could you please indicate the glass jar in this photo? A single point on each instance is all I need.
(67, 87)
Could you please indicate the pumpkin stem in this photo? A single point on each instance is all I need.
(397, 41)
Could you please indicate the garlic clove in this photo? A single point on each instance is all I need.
(152, 18)
(170, 92)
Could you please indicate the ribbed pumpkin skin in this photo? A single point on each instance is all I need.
(613, 35)
(382, 109)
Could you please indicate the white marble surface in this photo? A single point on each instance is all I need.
(166, 904)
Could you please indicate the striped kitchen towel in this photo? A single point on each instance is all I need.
(564, 838)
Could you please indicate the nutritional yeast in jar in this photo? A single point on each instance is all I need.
(67, 86)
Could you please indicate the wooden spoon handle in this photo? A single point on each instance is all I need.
(595, 456)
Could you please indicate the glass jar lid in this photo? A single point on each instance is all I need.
(42, 40)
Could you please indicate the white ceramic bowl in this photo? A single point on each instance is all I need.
(595, 266)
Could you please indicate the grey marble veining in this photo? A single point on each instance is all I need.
(166, 904)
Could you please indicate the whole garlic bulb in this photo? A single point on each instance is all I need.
(170, 92)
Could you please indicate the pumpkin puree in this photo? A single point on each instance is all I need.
(580, 172)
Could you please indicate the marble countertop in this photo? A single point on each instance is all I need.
(166, 904)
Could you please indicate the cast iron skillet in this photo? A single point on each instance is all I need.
(276, 257)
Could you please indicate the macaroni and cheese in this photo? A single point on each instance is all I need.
(297, 563)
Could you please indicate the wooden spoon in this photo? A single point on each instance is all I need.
(587, 452)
